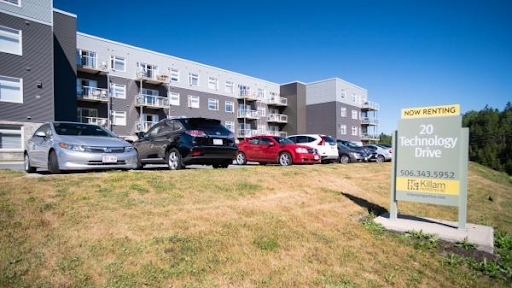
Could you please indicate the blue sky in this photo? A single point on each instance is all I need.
(405, 53)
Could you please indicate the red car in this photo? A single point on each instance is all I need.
(274, 149)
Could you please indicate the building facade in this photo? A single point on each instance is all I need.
(50, 71)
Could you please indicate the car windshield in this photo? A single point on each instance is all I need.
(79, 129)
(282, 140)
(329, 140)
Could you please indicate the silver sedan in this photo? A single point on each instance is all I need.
(58, 146)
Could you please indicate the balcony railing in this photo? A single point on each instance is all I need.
(369, 121)
(144, 126)
(280, 118)
(279, 101)
(152, 77)
(368, 136)
(152, 101)
(278, 133)
(91, 64)
(248, 96)
(369, 105)
(93, 120)
(93, 94)
(251, 114)
(244, 133)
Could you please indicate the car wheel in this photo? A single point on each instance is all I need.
(28, 168)
(139, 163)
(174, 159)
(241, 159)
(285, 159)
(380, 158)
(53, 163)
(344, 159)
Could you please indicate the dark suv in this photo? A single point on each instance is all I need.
(185, 141)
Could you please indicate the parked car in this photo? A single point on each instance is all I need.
(178, 142)
(354, 146)
(59, 146)
(325, 145)
(348, 155)
(379, 153)
(274, 149)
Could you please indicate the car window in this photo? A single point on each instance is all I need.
(79, 129)
(309, 139)
(329, 140)
(293, 139)
(154, 130)
(302, 139)
(45, 128)
(265, 141)
(253, 141)
(282, 140)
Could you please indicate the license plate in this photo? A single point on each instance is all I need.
(217, 141)
(109, 159)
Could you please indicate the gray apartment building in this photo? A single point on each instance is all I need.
(49, 71)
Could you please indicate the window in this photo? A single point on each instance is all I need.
(230, 125)
(174, 99)
(354, 97)
(10, 40)
(343, 112)
(229, 106)
(354, 130)
(261, 94)
(15, 2)
(11, 89)
(244, 90)
(87, 115)
(86, 58)
(355, 114)
(149, 92)
(343, 94)
(229, 87)
(193, 101)
(118, 63)
(147, 70)
(343, 129)
(213, 104)
(119, 118)
(175, 75)
(193, 79)
(213, 83)
(118, 91)
(11, 138)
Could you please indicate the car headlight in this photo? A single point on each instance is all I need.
(128, 148)
(73, 147)
(301, 150)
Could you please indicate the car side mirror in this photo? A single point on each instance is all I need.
(140, 135)
(40, 134)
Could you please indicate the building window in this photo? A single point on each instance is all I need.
(193, 79)
(213, 104)
(193, 101)
(229, 87)
(15, 2)
(354, 130)
(261, 94)
(244, 90)
(175, 75)
(11, 89)
(118, 91)
(354, 97)
(343, 94)
(229, 106)
(119, 118)
(213, 83)
(343, 112)
(355, 114)
(174, 99)
(118, 63)
(149, 92)
(11, 138)
(88, 115)
(10, 40)
(147, 70)
(343, 129)
(230, 125)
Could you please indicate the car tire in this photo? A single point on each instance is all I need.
(380, 158)
(344, 159)
(139, 163)
(174, 159)
(241, 159)
(26, 162)
(285, 159)
(53, 163)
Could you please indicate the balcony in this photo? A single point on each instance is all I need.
(145, 100)
(278, 118)
(248, 96)
(278, 133)
(249, 114)
(369, 105)
(369, 121)
(93, 120)
(278, 101)
(93, 94)
(370, 137)
(152, 77)
(144, 126)
(245, 133)
(92, 65)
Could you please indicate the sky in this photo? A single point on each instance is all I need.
(404, 53)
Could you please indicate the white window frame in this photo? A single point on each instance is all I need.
(343, 112)
(230, 125)
(229, 106)
(13, 2)
(343, 129)
(149, 92)
(193, 101)
(343, 94)
(213, 104)
(355, 129)
(14, 40)
(213, 83)
(229, 87)
(174, 99)
(148, 70)
(355, 114)
(119, 118)
(118, 91)
(11, 83)
(175, 75)
(354, 97)
(193, 79)
(117, 59)
(13, 131)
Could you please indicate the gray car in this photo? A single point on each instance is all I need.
(58, 146)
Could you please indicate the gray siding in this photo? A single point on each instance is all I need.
(33, 10)
(296, 109)
(321, 119)
(348, 122)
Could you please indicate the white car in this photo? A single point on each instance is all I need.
(325, 145)
(379, 153)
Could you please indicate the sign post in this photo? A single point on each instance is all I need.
(430, 161)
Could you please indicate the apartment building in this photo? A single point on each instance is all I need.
(50, 71)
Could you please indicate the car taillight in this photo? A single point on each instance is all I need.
(196, 133)
(322, 142)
